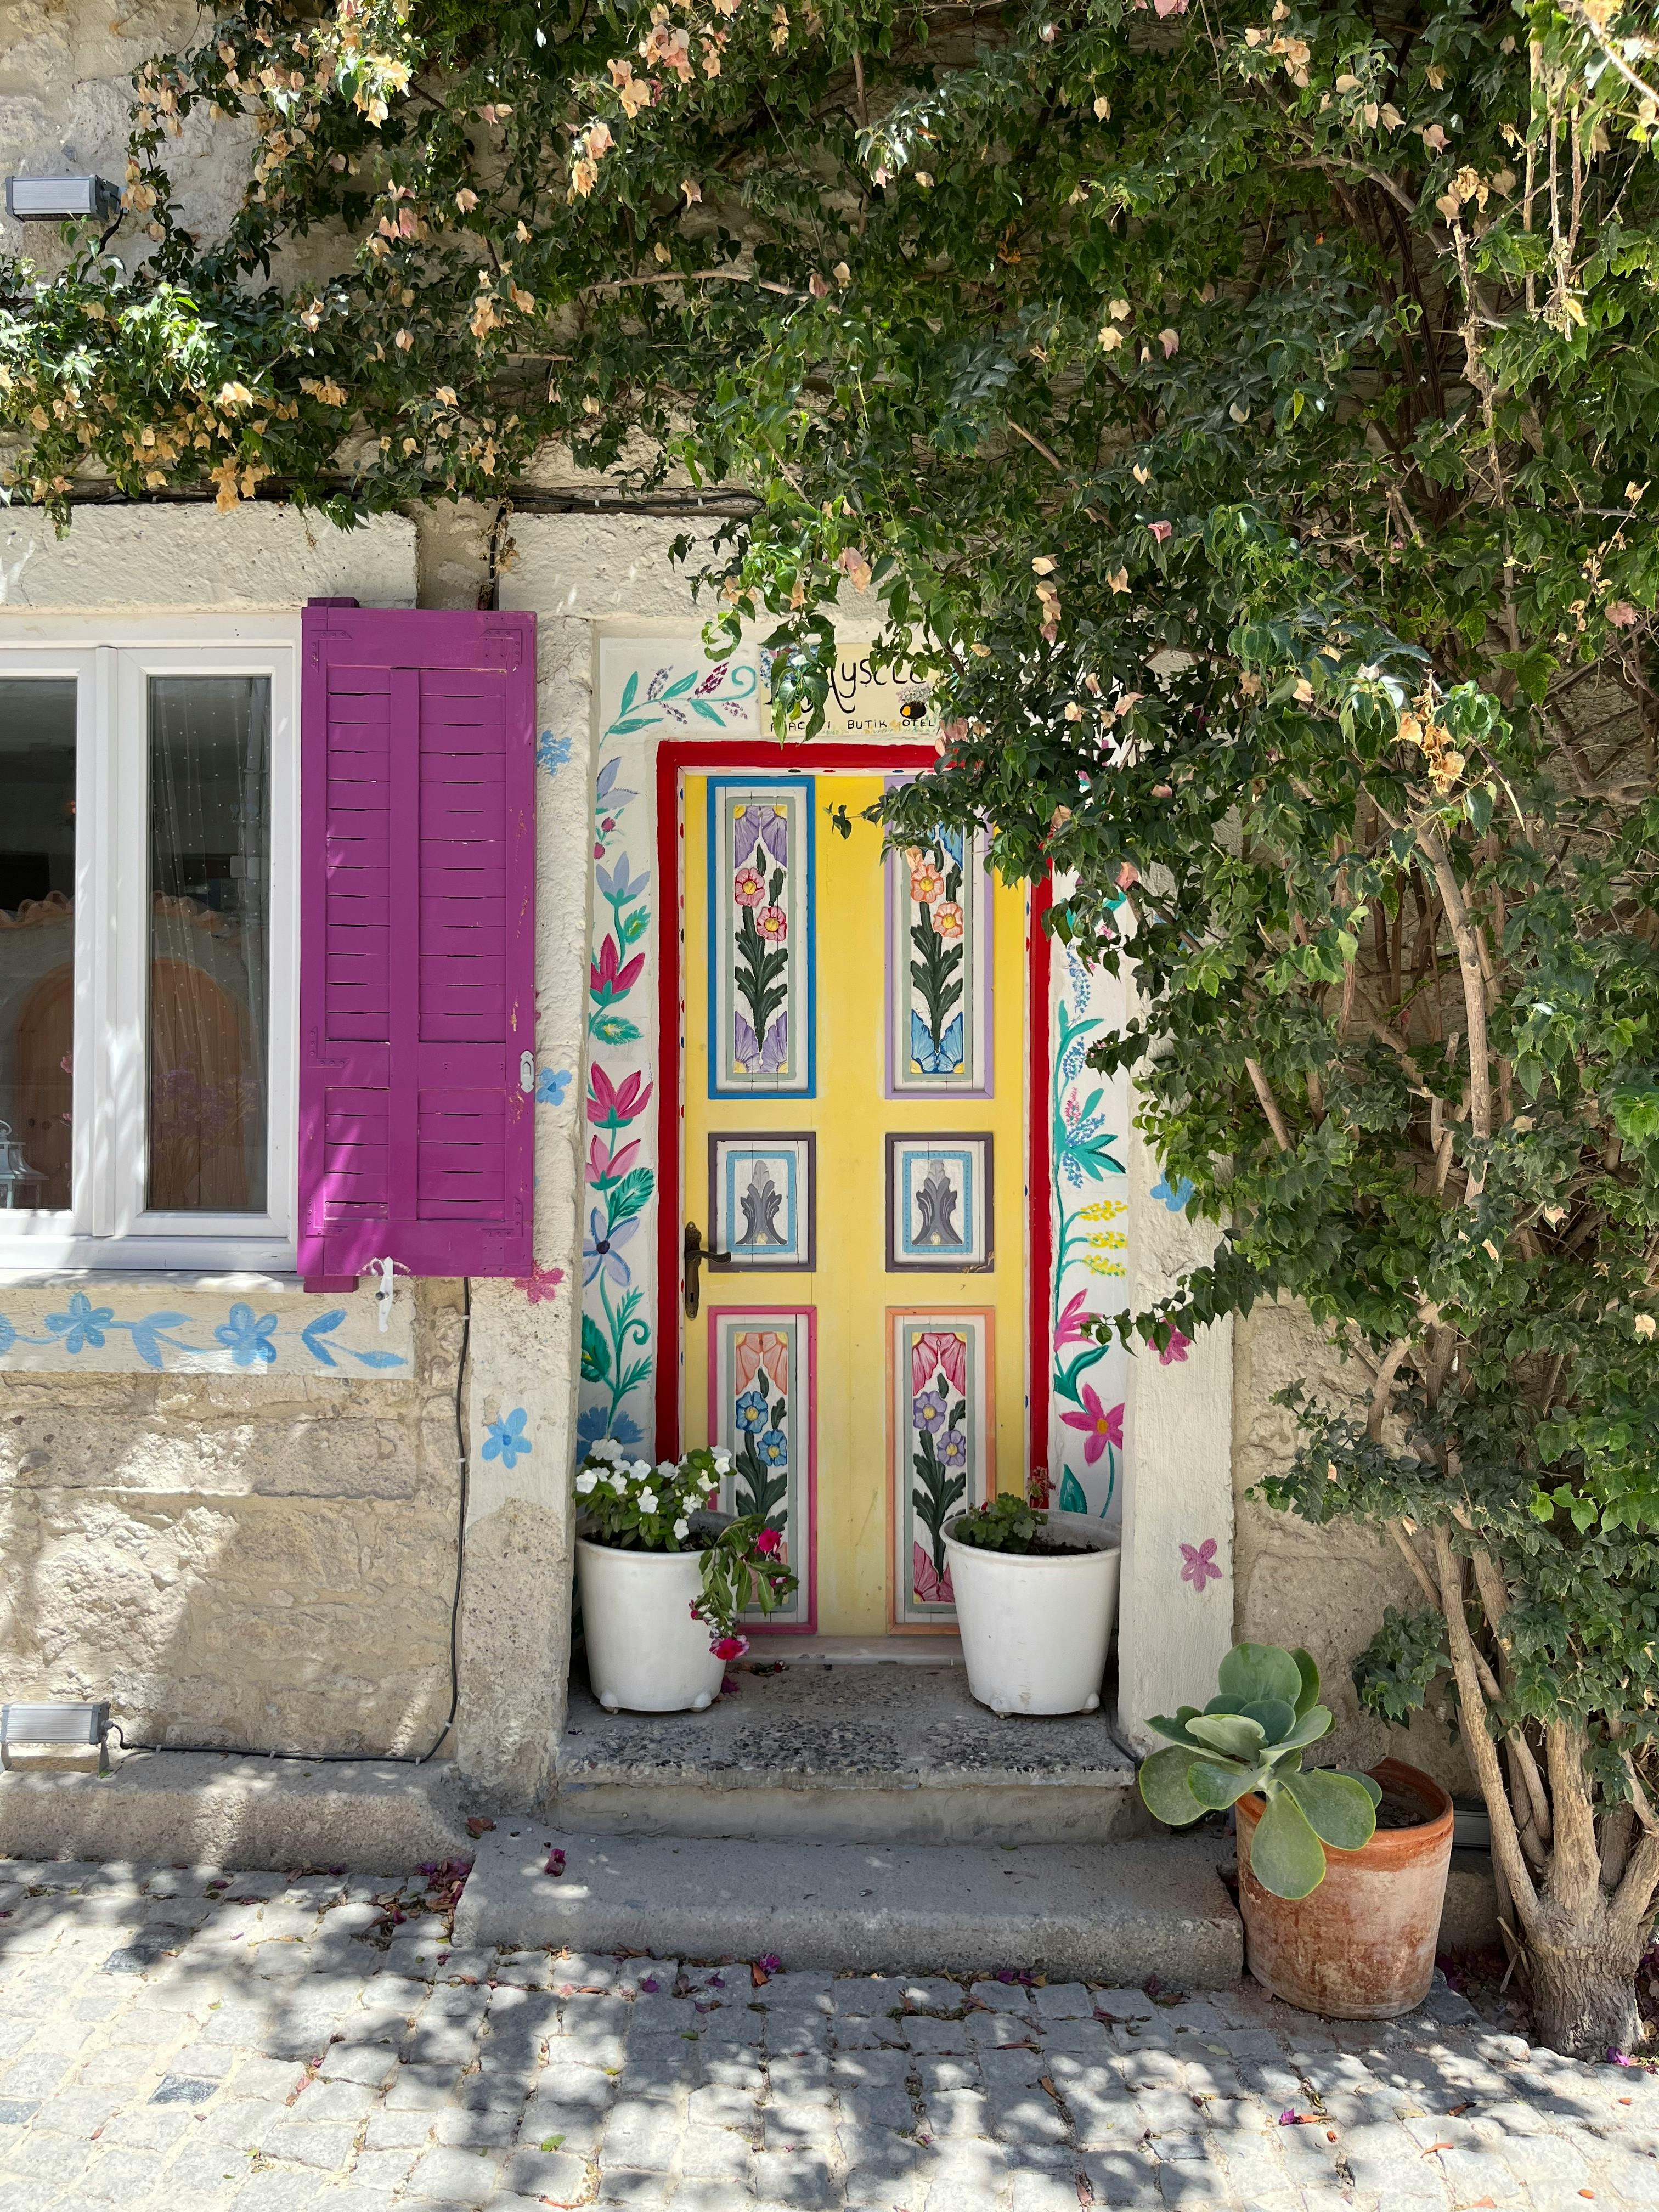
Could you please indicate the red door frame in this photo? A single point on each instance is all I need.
(717, 755)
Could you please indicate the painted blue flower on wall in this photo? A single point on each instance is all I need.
(248, 1340)
(596, 1423)
(506, 1440)
(167, 1339)
(83, 1325)
(599, 1250)
(551, 752)
(551, 1085)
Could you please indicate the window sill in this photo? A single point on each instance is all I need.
(237, 1283)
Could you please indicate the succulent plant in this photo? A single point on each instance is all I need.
(1251, 1737)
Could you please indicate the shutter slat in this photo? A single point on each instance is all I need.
(417, 961)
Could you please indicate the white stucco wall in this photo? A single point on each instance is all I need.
(121, 560)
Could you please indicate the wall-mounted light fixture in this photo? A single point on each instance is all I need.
(60, 199)
(82, 1726)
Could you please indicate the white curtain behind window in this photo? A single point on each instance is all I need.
(209, 773)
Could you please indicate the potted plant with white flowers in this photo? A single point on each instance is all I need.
(665, 1577)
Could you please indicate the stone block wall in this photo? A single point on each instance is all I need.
(265, 1560)
(1322, 1588)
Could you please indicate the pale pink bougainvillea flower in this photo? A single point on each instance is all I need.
(1175, 1350)
(1199, 1564)
(1161, 530)
(1102, 1424)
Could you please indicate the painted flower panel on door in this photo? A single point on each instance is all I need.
(941, 1449)
(939, 970)
(761, 1408)
(760, 906)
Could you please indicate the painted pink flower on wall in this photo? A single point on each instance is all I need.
(1102, 1424)
(1199, 1564)
(610, 1104)
(1175, 1350)
(540, 1283)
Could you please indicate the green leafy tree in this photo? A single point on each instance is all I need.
(1247, 417)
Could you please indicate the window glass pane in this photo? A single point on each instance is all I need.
(36, 938)
(209, 873)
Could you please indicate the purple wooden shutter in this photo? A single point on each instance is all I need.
(417, 942)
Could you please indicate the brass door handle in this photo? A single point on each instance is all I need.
(695, 1255)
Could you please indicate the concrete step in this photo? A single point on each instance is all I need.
(1076, 1912)
(205, 1808)
(846, 1750)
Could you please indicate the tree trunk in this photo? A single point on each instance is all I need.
(1583, 1989)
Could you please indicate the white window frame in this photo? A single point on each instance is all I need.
(107, 1225)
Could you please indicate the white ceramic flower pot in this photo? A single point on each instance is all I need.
(644, 1649)
(1034, 1630)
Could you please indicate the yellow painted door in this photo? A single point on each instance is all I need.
(854, 1150)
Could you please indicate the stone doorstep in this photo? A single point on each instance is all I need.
(205, 1808)
(1079, 1911)
(846, 1750)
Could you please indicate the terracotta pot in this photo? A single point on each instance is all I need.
(1361, 1946)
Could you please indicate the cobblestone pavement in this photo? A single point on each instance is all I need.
(257, 2042)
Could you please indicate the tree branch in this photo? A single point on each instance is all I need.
(1269, 1105)
(1576, 1872)
(1632, 1907)
(1384, 1386)
(1408, 1552)
(1477, 1737)
(1464, 936)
